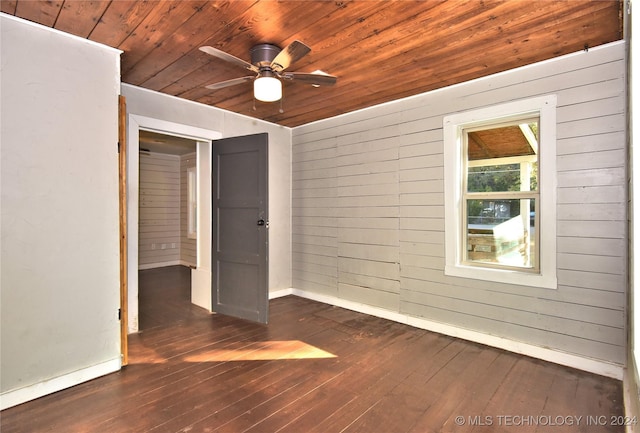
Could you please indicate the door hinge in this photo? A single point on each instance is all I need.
(118, 147)
(119, 314)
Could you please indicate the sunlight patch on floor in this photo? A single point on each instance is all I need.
(263, 351)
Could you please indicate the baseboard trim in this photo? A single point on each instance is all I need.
(601, 368)
(165, 264)
(22, 395)
(281, 293)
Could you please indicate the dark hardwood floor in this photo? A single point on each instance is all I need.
(314, 368)
(164, 297)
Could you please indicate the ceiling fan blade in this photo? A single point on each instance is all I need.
(315, 79)
(228, 57)
(289, 54)
(228, 83)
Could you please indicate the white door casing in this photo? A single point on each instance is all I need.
(201, 276)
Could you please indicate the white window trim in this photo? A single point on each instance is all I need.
(453, 165)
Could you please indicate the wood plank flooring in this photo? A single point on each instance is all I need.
(314, 368)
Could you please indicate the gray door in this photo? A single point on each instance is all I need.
(240, 222)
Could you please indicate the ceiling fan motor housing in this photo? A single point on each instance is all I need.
(263, 54)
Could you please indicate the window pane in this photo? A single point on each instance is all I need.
(504, 141)
(501, 232)
(494, 178)
(503, 158)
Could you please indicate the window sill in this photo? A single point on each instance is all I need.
(503, 276)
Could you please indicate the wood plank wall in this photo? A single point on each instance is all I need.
(368, 210)
(187, 246)
(159, 217)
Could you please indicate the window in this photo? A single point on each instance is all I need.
(500, 193)
(192, 203)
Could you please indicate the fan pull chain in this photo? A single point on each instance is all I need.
(254, 104)
(281, 109)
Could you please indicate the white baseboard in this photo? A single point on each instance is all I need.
(281, 293)
(165, 264)
(602, 368)
(22, 395)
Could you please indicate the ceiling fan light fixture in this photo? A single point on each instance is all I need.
(267, 89)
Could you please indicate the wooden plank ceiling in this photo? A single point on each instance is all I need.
(379, 50)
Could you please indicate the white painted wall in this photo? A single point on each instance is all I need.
(59, 210)
(164, 108)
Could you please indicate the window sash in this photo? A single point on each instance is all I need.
(465, 234)
(524, 194)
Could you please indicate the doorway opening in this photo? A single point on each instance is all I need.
(167, 224)
(201, 275)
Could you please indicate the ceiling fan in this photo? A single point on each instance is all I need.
(268, 63)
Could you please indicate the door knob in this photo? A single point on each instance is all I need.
(261, 222)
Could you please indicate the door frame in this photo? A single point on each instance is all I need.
(202, 274)
(122, 204)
